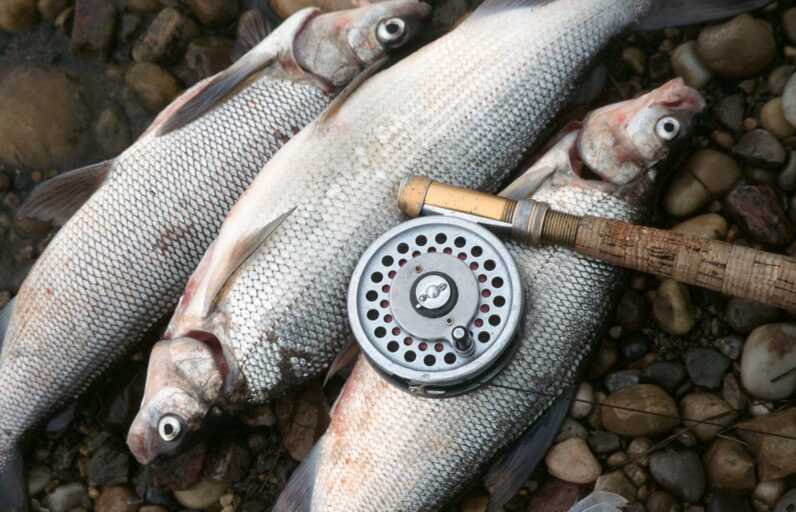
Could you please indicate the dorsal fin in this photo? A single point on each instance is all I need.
(217, 89)
(253, 27)
(348, 90)
(243, 250)
(509, 473)
(58, 198)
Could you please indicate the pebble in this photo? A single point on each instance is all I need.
(680, 472)
(17, 15)
(555, 495)
(632, 311)
(604, 359)
(205, 493)
(706, 407)
(730, 346)
(65, 497)
(744, 315)
(787, 503)
(779, 78)
(707, 173)
(152, 508)
(759, 213)
(729, 111)
(706, 366)
(789, 100)
(144, 5)
(636, 59)
(214, 12)
(768, 493)
(673, 309)
(181, 472)
(603, 443)
(622, 379)
(638, 450)
(569, 429)
(50, 9)
(711, 226)
(666, 374)
(687, 65)
(739, 48)
(153, 85)
(109, 465)
(117, 499)
(644, 399)
(166, 38)
(729, 466)
(776, 457)
(284, 8)
(768, 355)
(112, 131)
(48, 104)
(572, 461)
(584, 400)
(789, 23)
(475, 503)
(616, 482)
(661, 501)
(129, 25)
(772, 117)
(635, 346)
(760, 147)
(207, 56)
(93, 28)
(787, 178)
(38, 478)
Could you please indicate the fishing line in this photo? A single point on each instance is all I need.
(695, 422)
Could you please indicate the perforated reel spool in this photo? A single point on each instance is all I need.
(435, 304)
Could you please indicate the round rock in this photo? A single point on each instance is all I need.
(572, 461)
(214, 12)
(768, 361)
(789, 100)
(760, 147)
(202, 495)
(18, 15)
(680, 472)
(744, 315)
(772, 117)
(628, 411)
(584, 401)
(117, 499)
(673, 309)
(737, 49)
(706, 407)
(65, 497)
(730, 467)
(687, 65)
(153, 85)
(711, 226)
(759, 212)
(706, 366)
(786, 503)
(666, 374)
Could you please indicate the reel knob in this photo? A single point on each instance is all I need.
(435, 304)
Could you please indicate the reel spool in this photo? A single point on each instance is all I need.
(435, 303)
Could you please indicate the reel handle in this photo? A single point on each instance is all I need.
(727, 268)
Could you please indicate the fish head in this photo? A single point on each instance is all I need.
(337, 46)
(183, 382)
(622, 142)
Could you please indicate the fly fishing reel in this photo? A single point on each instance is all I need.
(435, 303)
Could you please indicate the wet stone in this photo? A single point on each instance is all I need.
(628, 411)
(583, 403)
(17, 15)
(65, 497)
(166, 38)
(758, 211)
(744, 315)
(787, 178)
(202, 495)
(38, 478)
(772, 117)
(769, 360)
(616, 482)
(153, 85)
(776, 456)
(789, 100)
(603, 443)
(706, 407)
(571, 428)
(555, 495)
(730, 111)
(739, 48)
(706, 366)
(760, 147)
(661, 501)
(680, 472)
(673, 308)
(779, 78)
(666, 374)
(621, 379)
(93, 28)
(729, 466)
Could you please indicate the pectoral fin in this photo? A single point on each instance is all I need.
(58, 198)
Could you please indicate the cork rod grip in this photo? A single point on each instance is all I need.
(731, 269)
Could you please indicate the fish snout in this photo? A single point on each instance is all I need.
(139, 440)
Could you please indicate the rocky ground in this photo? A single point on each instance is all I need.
(79, 80)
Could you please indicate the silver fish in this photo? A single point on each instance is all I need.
(265, 310)
(389, 450)
(120, 263)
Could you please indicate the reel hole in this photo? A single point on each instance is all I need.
(477, 251)
(373, 314)
(447, 250)
(387, 261)
(392, 346)
(494, 320)
(441, 238)
(429, 360)
(490, 264)
(380, 332)
(403, 248)
(421, 240)
(497, 282)
(483, 336)
(410, 356)
(473, 266)
(372, 295)
(450, 358)
(395, 330)
(499, 301)
(459, 242)
(376, 277)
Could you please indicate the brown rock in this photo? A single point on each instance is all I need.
(166, 38)
(769, 356)
(758, 211)
(117, 499)
(202, 495)
(214, 12)
(18, 15)
(93, 28)
(789, 24)
(711, 226)
(660, 501)
(180, 472)
(739, 48)
(627, 411)
(706, 407)
(772, 117)
(760, 147)
(573, 461)
(618, 483)
(685, 195)
(43, 119)
(729, 466)
(207, 56)
(112, 131)
(555, 496)
(776, 456)
(729, 111)
(50, 9)
(673, 308)
(153, 85)
(144, 5)
(475, 503)
(715, 170)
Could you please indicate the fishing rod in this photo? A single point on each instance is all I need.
(731, 269)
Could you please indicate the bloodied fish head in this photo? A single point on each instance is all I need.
(184, 380)
(622, 142)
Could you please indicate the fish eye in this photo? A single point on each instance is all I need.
(667, 128)
(390, 32)
(169, 428)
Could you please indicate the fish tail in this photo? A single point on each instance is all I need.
(672, 13)
(13, 484)
(298, 494)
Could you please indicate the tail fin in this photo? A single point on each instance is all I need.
(673, 13)
(13, 484)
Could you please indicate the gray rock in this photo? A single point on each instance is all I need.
(778, 78)
(108, 465)
(687, 65)
(603, 443)
(65, 497)
(744, 315)
(760, 147)
(666, 374)
(789, 100)
(38, 478)
(571, 428)
(680, 472)
(706, 366)
(635, 346)
(618, 483)
(758, 211)
(632, 311)
(739, 48)
(93, 28)
(787, 178)
(730, 111)
(730, 346)
(786, 503)
(769, 360)
(621, 379)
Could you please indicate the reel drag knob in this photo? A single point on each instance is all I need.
(435, 304)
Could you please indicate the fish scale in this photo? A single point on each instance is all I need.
(382, 434)
(122, 261)
(462, 110)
